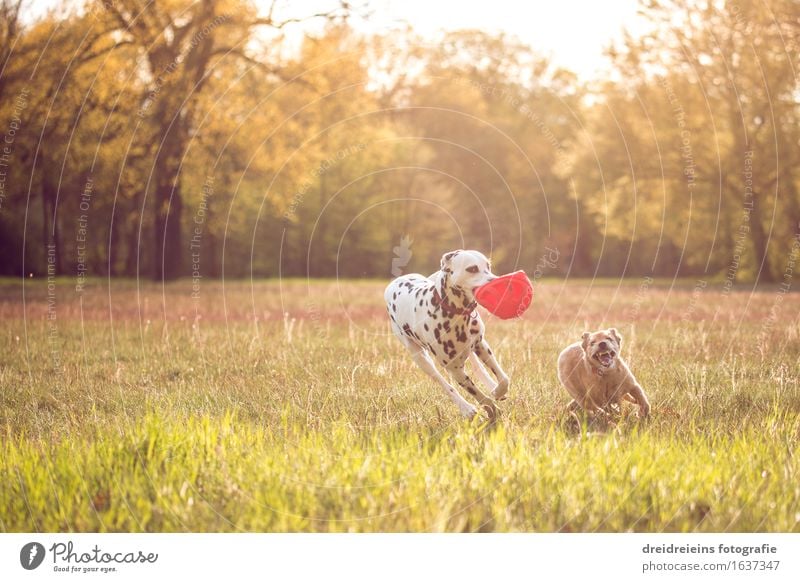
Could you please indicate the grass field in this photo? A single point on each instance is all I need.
(286, 406)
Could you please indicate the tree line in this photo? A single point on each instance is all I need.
(177, 139)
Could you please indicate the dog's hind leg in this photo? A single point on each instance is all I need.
(424, 361)
(483, 351)
(466, 382)
(481, 372)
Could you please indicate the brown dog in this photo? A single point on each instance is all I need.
(596, 376)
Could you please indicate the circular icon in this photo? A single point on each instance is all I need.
(31, 555)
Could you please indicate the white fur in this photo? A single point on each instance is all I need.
(448, 331)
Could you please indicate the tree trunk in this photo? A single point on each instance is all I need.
(50, 233)
(132, 251)
(169, 206)
(793, 204)
(584, 263)
(211, 254)
(759, 239)
(111, 267)
(45, 224)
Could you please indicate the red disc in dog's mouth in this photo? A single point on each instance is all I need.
(506, 297)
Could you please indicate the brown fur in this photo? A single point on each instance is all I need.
(595, 378)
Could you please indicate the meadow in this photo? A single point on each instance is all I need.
(278, 406)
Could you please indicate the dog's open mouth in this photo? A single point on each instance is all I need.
(605, 358)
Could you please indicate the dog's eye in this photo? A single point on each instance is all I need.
(472, 269)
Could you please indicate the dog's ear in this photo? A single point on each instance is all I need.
(446, 258)
(585, 343)
(615, 334)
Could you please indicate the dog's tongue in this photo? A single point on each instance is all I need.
(605, 359)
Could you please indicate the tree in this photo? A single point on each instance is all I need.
(56, 87)
(179, 43)
(10, 30)
(498, 120)
(724, 70)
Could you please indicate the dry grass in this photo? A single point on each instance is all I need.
(286, 406)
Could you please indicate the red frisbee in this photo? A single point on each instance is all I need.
(508, 296)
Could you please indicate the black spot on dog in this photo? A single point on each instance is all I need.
(425, 325)
(474, 331)
(447, 325)
(394, 307)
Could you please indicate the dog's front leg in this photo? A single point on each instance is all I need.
(484, 352)
(481, 372)
(637, 393)
(632, 390)
(585, 402)
(466, 382)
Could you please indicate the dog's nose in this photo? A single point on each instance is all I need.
(603, 345)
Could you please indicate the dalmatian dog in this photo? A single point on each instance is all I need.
(436, 320)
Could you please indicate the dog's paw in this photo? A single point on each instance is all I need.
(601, 421)
(499, 393)
(469, 412)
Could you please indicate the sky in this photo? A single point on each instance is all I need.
(573, 33)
